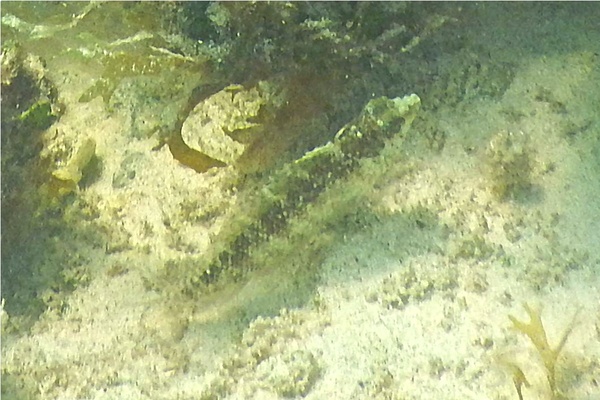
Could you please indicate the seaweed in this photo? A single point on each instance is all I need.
(534, 329)
(518, 377)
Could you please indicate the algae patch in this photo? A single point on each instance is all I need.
(510, 166)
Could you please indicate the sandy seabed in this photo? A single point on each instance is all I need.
(413, 305)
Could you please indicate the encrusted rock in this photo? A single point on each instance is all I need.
(212, 123)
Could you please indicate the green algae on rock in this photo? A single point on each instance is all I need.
(127, 64)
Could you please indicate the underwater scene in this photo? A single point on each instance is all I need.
(300, 200)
